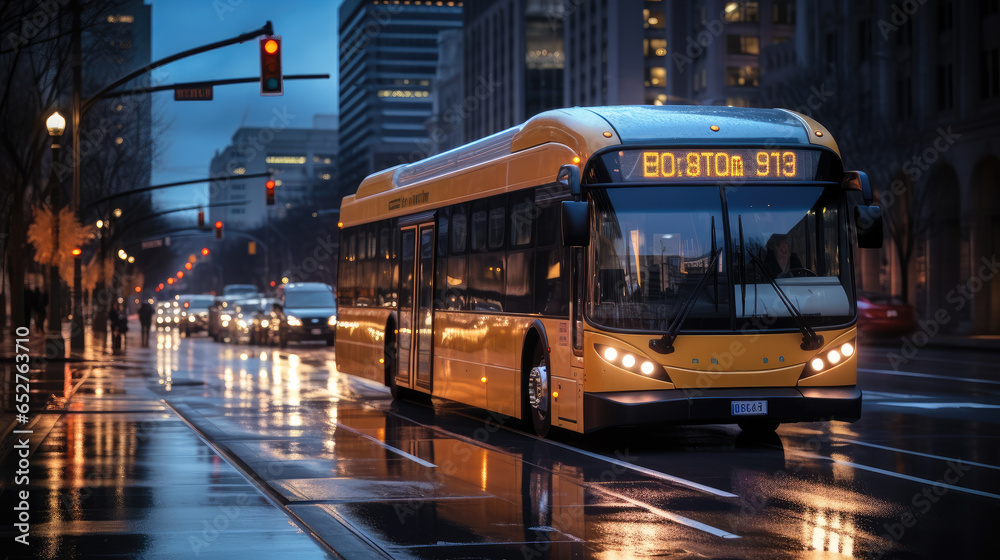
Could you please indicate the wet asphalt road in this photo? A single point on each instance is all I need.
(317, 463)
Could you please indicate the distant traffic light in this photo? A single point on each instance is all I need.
(271, 82)
(269, 185)
(204, 251)
(218, 230)
(201, 218)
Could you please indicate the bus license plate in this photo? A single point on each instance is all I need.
(749, 408)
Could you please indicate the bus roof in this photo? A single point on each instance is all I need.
(557, 136)
(688, 123)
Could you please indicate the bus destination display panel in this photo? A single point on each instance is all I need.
(706, 164)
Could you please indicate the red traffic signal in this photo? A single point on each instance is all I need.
(218, 230)
(271, 82)
(204, 251)
(270, 192)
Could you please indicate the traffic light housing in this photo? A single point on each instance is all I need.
(269, 186)
(218, 230)
(271, 82)
(201, 218)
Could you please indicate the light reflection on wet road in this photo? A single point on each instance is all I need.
(368, 475)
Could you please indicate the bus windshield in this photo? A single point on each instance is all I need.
(653, 245)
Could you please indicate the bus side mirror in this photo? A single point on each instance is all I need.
(858, 181)
(569, 176)
(575, 223)
(868, 223)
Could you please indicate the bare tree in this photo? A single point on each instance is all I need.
(877, 144)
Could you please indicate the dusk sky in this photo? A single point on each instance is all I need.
(196, 129)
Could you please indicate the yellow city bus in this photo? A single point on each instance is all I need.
(615, 266)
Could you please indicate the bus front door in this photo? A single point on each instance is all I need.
(416, 307)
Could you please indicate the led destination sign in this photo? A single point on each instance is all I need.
(717, 165)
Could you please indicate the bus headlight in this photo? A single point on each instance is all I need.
(633, 362)
(833, 357)
(817, 364)
(847, 349)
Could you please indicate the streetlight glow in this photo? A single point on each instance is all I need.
(56, 124)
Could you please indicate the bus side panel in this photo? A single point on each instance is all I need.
(360, 342)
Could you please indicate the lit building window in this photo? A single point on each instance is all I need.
(239, 171)
(286, 160)
(123, 18)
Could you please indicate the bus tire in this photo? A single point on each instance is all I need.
(537, 402)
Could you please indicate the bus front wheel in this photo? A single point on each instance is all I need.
(538, 396)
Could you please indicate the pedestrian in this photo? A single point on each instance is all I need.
(145, 321)
(115, 322)
(41, 302)
(29, 305)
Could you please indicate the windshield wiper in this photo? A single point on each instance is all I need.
(665, 344)
(810, 340)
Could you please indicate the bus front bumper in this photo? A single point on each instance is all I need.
(715, 406)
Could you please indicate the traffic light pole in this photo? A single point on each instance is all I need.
(81, 106)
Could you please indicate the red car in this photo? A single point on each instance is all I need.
(882, 315)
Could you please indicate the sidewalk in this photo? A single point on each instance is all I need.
(115, 473)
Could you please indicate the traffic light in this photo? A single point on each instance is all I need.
(201, 218)
(204, 251)
(270, 192)
(271, 82)
(218, 230)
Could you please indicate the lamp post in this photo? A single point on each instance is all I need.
(55, 345)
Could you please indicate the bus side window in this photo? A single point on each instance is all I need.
(386, 292)
(348, 272)
(457, 285)
(441, 259)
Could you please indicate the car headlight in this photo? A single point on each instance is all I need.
(159, 320)
(332, 321)
(294, 321)
(264, 323)
(190, 318)
(242, 324)
(227, 317)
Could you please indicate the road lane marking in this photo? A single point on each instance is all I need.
(395, 450)
(895, 474)
(937, 405)
(907, 451)
(929, 376)
(671, 516)
(646, 471)
(643, 470)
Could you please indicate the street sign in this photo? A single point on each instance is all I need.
(200, 93)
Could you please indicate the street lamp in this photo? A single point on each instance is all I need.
(55, 344)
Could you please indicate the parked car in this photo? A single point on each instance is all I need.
(883, 315)
(194, 312)
(304, 311)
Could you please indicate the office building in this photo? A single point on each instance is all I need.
(388, 58)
